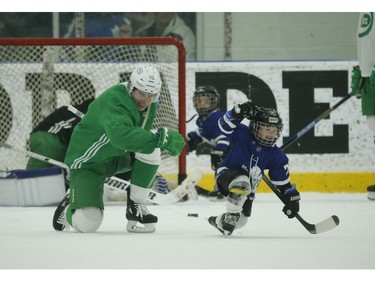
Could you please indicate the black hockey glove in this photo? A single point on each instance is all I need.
(244, 110)
(191, 144)
(217, 157)
(292, 198)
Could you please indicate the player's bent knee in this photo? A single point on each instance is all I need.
(87, 219)
(153, 158)
(240, 185)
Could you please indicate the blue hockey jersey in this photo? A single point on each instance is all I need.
(208, 131)
(246, 155)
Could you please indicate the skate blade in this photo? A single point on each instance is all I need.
(136, 227)
(61, 223)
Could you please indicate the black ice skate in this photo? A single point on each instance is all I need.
(212, 221)
(59, 220)
(225, 223)
(229, 222)
(138, 213)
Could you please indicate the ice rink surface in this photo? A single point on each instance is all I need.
(268, 241)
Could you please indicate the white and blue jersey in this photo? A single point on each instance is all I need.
(208, 131)
(247, 156)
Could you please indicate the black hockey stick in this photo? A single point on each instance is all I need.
(311, 125)
(320, 227)
(332, 221)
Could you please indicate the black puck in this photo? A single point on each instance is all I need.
(192, 215)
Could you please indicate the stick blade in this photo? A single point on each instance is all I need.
(327, 225)
(188, 184)
(179, 192)
(323, 226)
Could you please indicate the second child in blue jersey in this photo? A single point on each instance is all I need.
(206, 103)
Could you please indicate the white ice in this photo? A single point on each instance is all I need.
(268, 241)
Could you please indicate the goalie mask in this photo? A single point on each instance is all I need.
(206, 99)
(146, 79)
(266, 126)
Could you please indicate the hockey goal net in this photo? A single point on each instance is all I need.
(39, 75)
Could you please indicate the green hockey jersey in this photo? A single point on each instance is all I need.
(111, 127)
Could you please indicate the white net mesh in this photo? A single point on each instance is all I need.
(35, 80)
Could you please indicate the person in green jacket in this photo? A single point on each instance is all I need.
(363, 75)
(113, 137)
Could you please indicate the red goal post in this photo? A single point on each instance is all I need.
(38, 75)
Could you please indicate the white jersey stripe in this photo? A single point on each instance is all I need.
(90, 152)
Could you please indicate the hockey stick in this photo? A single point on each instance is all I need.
(320, 227)
(311, 125)
(158, 198)
(332, 221)
(75, 111)
(35, 155)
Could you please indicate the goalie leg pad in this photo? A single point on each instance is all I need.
(30, 188)
(87, 219)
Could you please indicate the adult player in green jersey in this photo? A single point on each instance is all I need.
(364, 75)
(114, 137)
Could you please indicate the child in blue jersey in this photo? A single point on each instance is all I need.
(206, 103)
(252, 151)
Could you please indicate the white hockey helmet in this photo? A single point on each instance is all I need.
(146, 79)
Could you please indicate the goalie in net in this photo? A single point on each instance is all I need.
(117, 123)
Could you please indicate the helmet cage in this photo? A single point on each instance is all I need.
(266, 118)
(212, 94)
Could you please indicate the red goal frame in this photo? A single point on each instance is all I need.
(126, 41)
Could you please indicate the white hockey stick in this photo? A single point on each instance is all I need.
(155, 197)
(74, 110)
